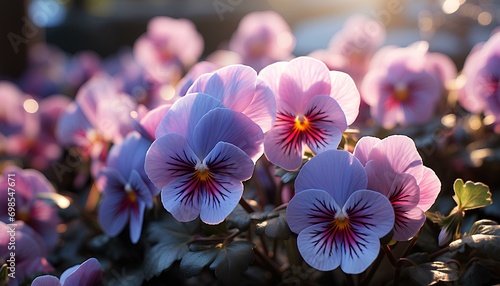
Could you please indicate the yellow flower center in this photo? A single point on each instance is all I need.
(342, 221)
(301, 123)
(401, 92)
(202, 172)
(131, 196)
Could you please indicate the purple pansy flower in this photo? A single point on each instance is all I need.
(338, 220)
(195, 71)
(395, 169)
(481, 91)
(87, 273)
(314, 107)
(127, 191)
(30, 251)
(404, 85)
(200, 157)
(35, 212)
(239, 89)
(262, 38)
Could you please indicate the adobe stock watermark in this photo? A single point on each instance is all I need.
(47, 10)
(223, 6)
(11, 213)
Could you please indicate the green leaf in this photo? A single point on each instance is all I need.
(430, 273)
(194, 261)
(471, 195)
(487, 244)
(485, 226)
(232, 260)
(239, 218)
(276, 227)
(171, 238)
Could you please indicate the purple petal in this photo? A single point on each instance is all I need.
(110, 180)
(113, 118)
(196, 71)
(303, 78)
(407, 222)
(153, 118)
(91, 94)
(183, 198)
(136, 219)
(73, 126)
(271, 76)
(404, 191)
(141, 189)
(185, 113)
(229, 126)
(319, 247)
(310, 207)
(345, 92)
(369, 210)
(327, 122)
(337, 172)
(430, 186)
(364, 147)
(87, 273)
(228, 160)
(129, 155)
(113, 212)
(262, 109)
(359, 250)
(395, 154)
(169, 158)
(221, 195)
(281, 145)
(46, 280)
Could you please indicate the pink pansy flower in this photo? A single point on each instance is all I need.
(87, 273)
(314, 107)
(239, 89)
(395, 169)
(30, 251)
(19, 120)
(358, 40)
(481, 92)
(168, 47)
(338, 219)
(30, 208)
(404, 85)
(262, 38)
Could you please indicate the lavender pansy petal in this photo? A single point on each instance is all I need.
(229, 160)
(281, 149)
(364, 147)
(359, 251)
(168, 158)
(407, 222)
(220, 196)
(46, 280)
(226, 125)
(87, 273)
(310, 207)
(342, 176)
(113, 214)
(319, 248)
(345, 92)
(136, 220)
(182, 198)
(430, 186)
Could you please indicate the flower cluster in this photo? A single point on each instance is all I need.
(249, 155)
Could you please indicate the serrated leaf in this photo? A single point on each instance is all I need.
(488, 244)
(276, 227)
(193, 262)
(485, 226)
(232, 260)
(171, 238)
(430, 273)
(471, 195)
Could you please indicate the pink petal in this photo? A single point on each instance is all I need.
(364, 147)
(430, 186)
(345, 92)
(271, 75)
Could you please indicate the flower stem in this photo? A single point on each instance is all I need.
(389, 254)
(246, 206)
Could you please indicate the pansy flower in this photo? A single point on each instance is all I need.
(314, 107)
(339, 222)
(404, 85)
(196, 70)
(395, 169)
(202, 153)
(126, 189)
(239, 89)
(168, 46)
(30, 251)
(87, 273)
(30, 208)
(481, 92)
(262, 38)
